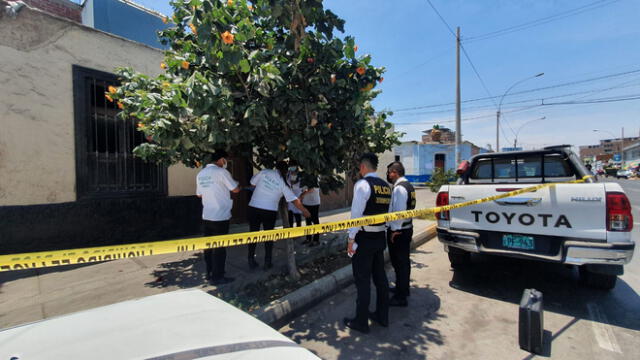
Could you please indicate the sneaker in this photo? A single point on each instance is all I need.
(221, 281)
(394, 301)
(375, 318)
(352, 324)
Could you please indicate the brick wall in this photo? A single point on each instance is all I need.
(62, 8)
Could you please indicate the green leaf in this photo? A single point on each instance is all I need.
(244, 66)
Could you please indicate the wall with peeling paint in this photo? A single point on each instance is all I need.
(37, 154)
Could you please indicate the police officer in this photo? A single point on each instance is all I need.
(371, 196)
(214, 184)
(400, 232)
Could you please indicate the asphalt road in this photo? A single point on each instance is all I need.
(473, 314)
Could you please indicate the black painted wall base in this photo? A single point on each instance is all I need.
(97, 222)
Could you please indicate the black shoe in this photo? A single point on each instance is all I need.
(394, 290)
(221, 280)
(253, 264)
(375, 318)
(394, 301)
(267, 265)
(352, 324)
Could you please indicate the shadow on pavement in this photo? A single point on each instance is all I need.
(504, 279)
(186, 273)
(325, 326)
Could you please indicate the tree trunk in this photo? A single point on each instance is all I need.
(291, 251)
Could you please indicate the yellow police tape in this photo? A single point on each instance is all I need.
(104, 253)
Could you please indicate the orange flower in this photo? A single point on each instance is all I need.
(367, 87)
(112, 89)
(229, 2)
(381, 80)
(185, 65)
(355, 48)
(333, 78)
(108, 97)
(163, 66)
(120, 105)
(140, 125)
(165, 19)
(250, 7)
(227, 38)
(360, 70)
(193, 29)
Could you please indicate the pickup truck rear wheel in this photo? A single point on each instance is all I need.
(596, 280)
(458, 258)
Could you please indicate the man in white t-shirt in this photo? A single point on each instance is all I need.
(214, 186)
(270, 186)
(311, 200)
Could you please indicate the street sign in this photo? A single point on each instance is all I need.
(504, 149)
(617, 157)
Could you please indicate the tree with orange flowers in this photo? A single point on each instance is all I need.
(264, 79)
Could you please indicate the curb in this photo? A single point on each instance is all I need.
(280, 311)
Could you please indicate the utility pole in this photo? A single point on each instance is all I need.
(622, 150)
(458, 119)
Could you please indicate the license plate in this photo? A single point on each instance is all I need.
(518, 242)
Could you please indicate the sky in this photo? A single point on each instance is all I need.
(588, 50)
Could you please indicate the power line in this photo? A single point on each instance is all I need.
(442, 19)
(483, 107)
(597, 101)
(542, 21)
(577, 82)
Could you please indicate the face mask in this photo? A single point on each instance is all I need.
(292, 168)
(224, 164)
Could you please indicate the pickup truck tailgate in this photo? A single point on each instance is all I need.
(567, 210)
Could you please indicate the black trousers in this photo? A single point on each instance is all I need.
(298, 218)
(313, 220)
(215, 258)
(267, 219)
(399, 251)
(367, 264)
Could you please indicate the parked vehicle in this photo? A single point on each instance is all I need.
(585, 224)
(623, 174)
(187, 324)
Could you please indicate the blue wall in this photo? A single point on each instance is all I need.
(127, 21)
(419, 159)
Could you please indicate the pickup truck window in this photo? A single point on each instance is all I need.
(528, 166)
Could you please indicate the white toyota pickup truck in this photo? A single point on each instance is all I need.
(586, 224)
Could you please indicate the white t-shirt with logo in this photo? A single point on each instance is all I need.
(270, 187)
(312, 198)
(214, 185)
(295, 187)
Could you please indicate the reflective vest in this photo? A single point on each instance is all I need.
(379, 199)
(411, 202)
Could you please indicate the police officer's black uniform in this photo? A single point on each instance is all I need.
(400, 248)
(368, 261)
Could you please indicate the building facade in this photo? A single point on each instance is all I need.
(421, 160)
(606, 147)
(441, 135)
(67, 175)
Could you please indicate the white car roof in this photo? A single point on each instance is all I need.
(186, 324)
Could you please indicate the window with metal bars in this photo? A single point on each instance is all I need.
(105, 164)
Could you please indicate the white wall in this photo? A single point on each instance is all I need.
(37, 145)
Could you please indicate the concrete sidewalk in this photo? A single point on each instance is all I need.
(36, 294)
